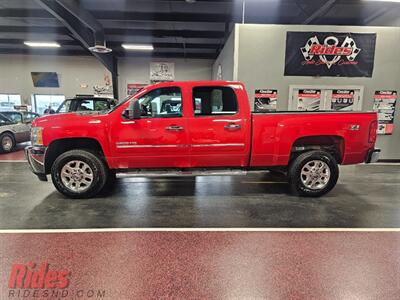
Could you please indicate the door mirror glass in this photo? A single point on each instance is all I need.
(133, 111)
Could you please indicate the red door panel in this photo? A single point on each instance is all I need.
(219, 141)
(151, 143)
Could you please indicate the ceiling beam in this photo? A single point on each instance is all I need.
(320, 12)
(120, 31)
(66, 52)
(124, 15)
(163, 45)
(84, 28)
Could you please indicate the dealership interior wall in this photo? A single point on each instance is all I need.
(253, 54)
(257, 54)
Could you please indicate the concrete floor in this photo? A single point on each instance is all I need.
(366, 196)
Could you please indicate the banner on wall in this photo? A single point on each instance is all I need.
(384, 105)
(329, 54)
(162, 71)
(265, 100)
(309, 100)
(133, 88)
(342, 100)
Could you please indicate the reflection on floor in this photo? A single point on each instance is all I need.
(15, 155)
(366, 196)
(214, 265)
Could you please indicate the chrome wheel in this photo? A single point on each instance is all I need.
(7, 143)
(315, 174)
(77, 176)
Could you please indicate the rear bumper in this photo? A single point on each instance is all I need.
(373, 156)
(35, 156)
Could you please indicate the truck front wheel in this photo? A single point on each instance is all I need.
(313, 173)
(79, 174)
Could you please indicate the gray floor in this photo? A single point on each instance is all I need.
(366, 196)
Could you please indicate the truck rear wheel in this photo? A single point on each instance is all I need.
(313, 174)
(79, 174)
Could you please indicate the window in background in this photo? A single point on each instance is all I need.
(7, 101)
(41, 102)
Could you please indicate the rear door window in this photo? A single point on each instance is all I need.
(214, 100)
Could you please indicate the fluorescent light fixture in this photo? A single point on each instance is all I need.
(43, 44)
(138, 47)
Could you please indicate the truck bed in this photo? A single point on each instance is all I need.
(275, 133)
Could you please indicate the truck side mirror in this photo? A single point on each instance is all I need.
(133, 111)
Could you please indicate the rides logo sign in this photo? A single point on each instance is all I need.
(32, 280)
(329, 54)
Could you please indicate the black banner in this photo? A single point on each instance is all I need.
(329, 54)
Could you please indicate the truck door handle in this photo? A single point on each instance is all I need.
(174, 128)
(232, 126)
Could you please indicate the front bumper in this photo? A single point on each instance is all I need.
(35, 156)
(373, 155)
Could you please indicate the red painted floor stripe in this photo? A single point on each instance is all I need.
(15, 155)
(213, 265)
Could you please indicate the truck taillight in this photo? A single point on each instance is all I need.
(373, 127)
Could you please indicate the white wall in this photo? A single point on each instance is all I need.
(226, 59)
(15, 74)
(261, 60)
(137, 70)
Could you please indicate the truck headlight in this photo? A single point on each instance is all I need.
(37, 136)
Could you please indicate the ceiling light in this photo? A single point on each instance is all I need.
(138, 47)
(100, 49)
(43, 44)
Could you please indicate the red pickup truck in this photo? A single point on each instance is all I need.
(197, 128)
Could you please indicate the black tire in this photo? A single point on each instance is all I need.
(111, 179)
(10, 137)
(97, 166)
(297, 185)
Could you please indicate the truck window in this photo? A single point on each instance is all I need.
(65, 106)
(162, 103)
(214, 100)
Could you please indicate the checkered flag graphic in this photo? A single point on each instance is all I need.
(350, 43)
(306, 49)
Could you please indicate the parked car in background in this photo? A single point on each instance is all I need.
(86, 103)
(15, 128)
(21, 116)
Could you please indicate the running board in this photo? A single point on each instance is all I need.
(179, 173)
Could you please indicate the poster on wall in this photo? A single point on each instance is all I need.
(342, 100)
(384, 105)
(162, 71)
(133, 88)
(265, 100)
(309, 100)
(329, 54)
(105, 89)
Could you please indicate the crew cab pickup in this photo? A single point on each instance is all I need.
(197, 128)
